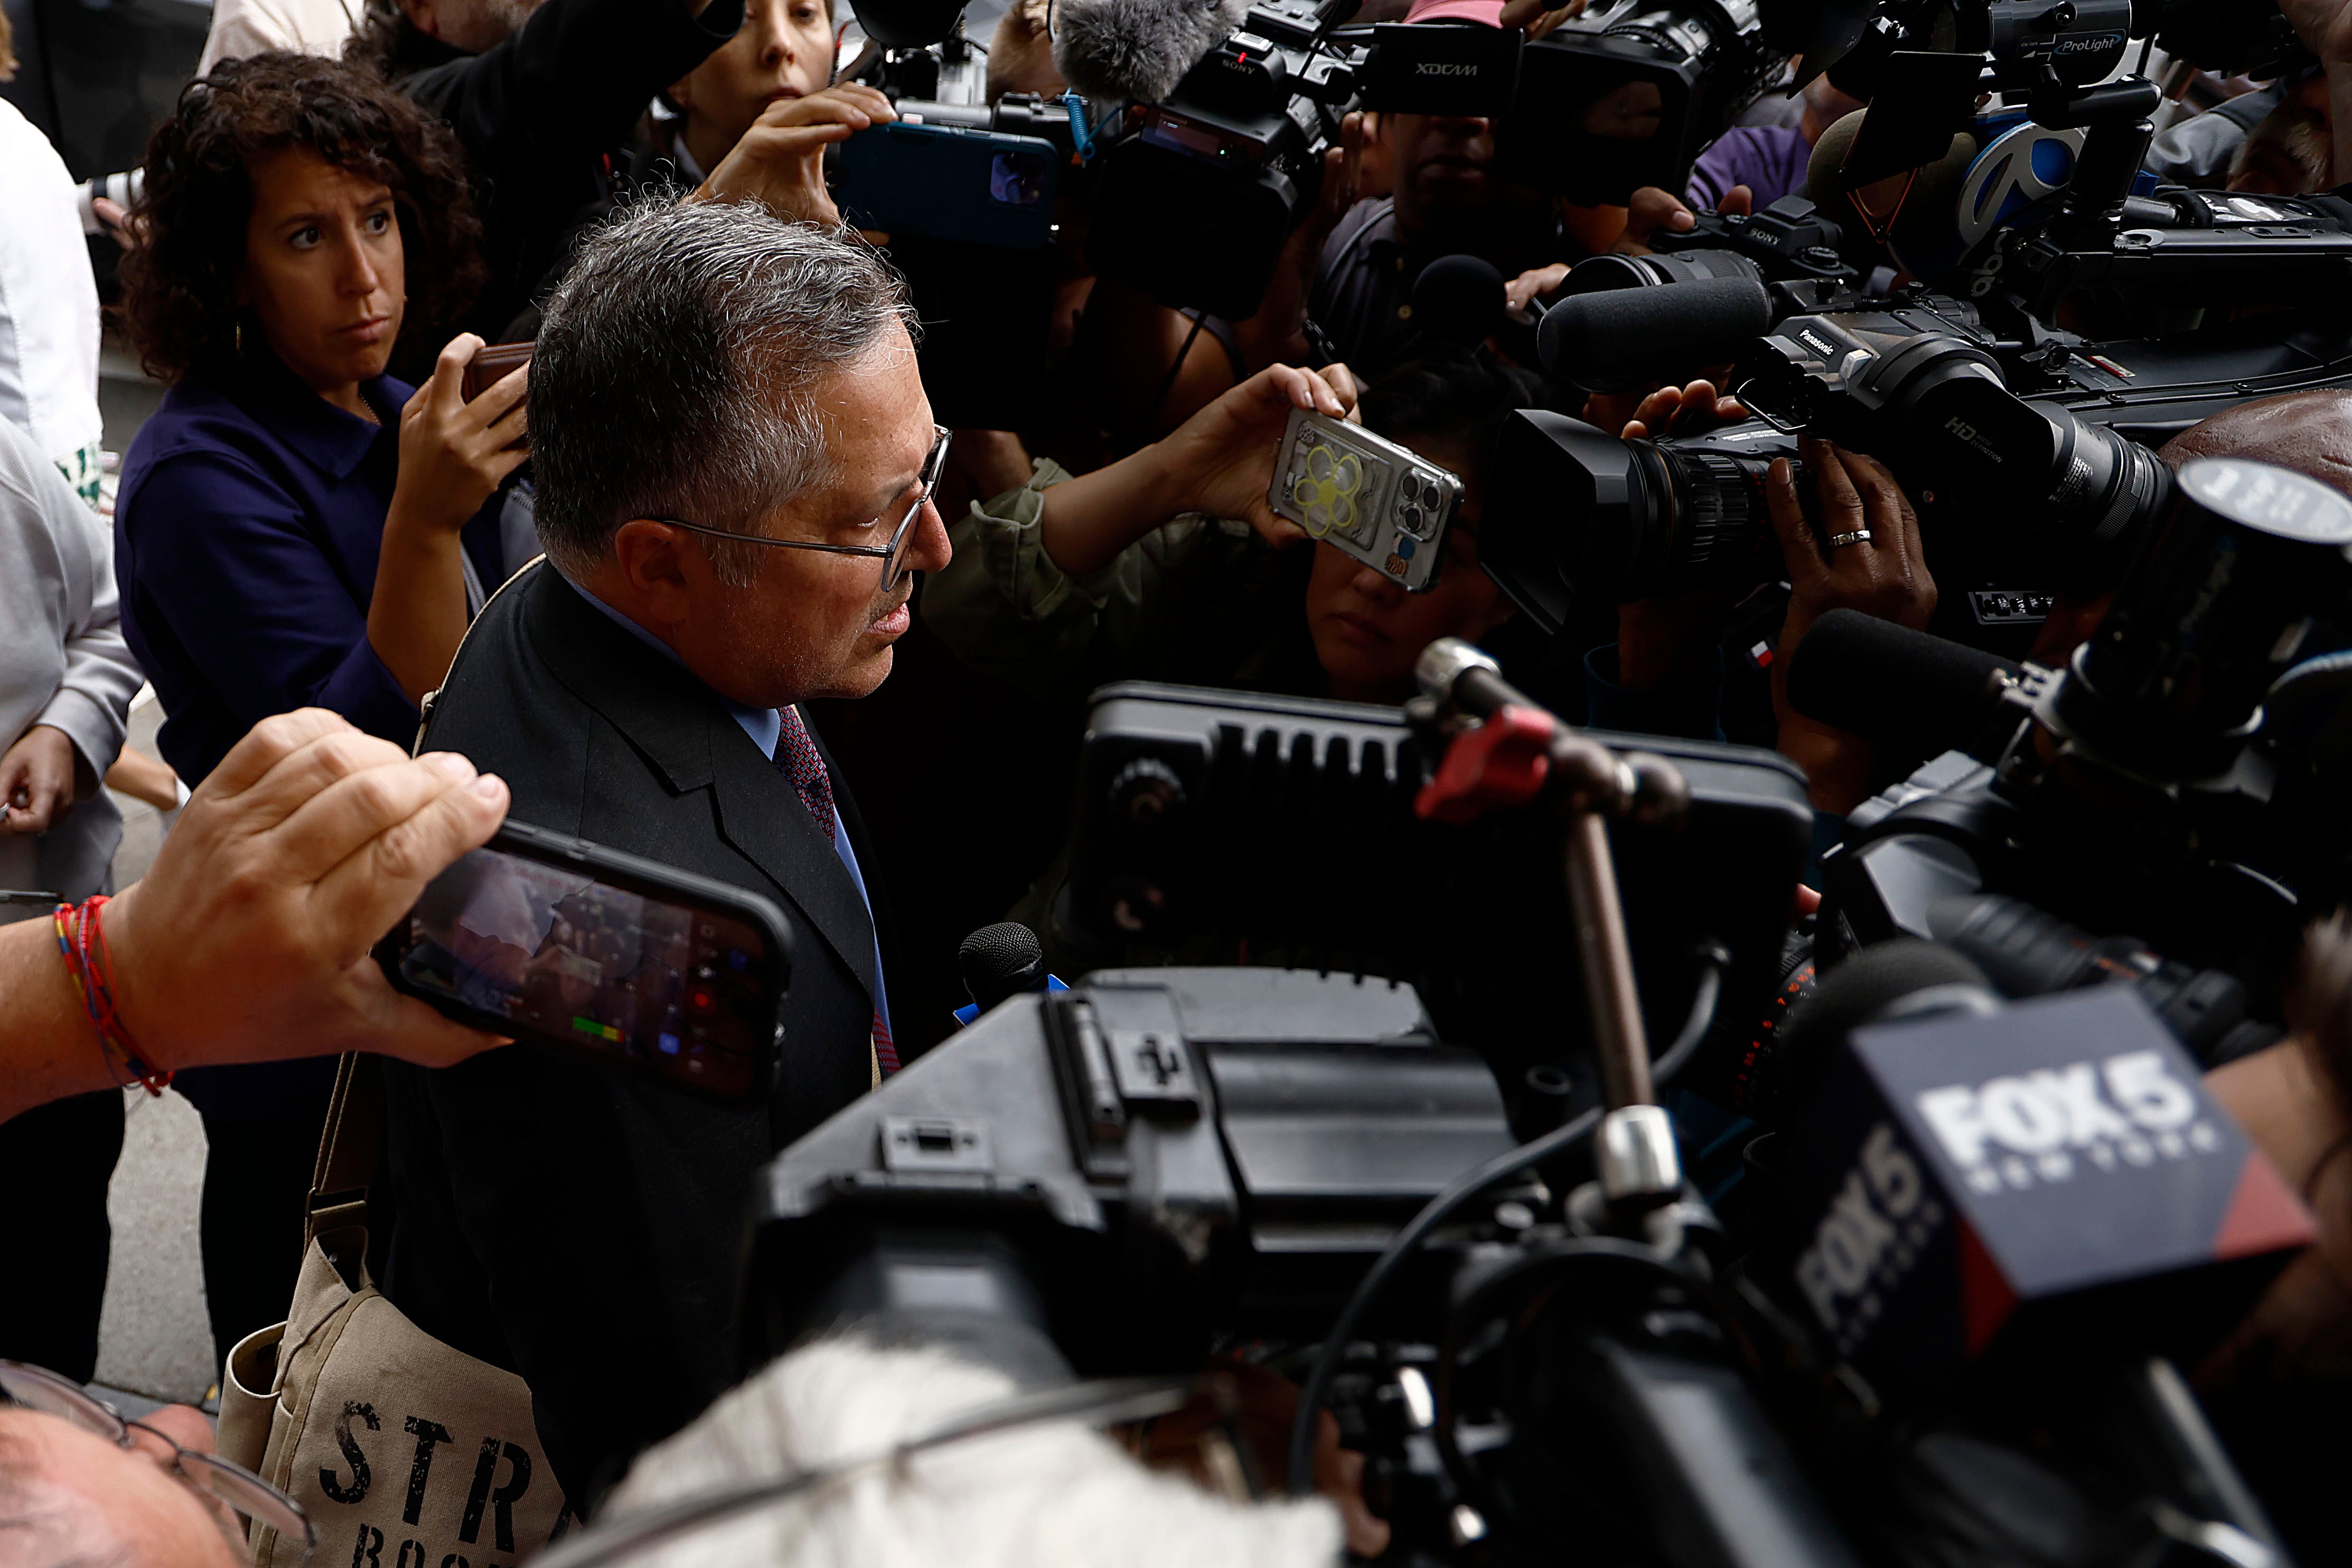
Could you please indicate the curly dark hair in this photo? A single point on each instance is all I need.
(179, 286)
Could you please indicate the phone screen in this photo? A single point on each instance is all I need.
(552, 953)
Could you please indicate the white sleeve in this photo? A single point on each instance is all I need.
(241, 29)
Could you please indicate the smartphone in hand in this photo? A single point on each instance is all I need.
(491, 363)
(602, 956)
(1385, 504)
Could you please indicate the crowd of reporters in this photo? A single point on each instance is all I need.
(308, 543)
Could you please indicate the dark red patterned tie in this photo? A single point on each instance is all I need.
(798, 760)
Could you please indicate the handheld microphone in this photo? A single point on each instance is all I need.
(1458, 300)
(2045, 1180)
(1618, 338)
(1136, 51)
(1889, 683)
(999, 962)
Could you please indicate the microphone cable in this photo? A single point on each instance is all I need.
(1714, 959)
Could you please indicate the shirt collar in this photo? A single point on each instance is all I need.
(330, 439)
(765, 726)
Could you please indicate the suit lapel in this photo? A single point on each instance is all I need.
(762, 815)
(690, 738)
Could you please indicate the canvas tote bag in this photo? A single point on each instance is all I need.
(406, 1454)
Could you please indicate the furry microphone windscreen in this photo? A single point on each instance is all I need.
(1055, 1495)
(1926, 240)
(1136, 51)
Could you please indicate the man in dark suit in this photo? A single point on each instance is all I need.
(734, 459)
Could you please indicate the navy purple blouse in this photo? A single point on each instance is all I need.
(246, 537)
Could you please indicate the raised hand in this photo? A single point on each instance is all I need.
(249, 938)
(780, 161)
(1883, 572)
(1222, 459)
(453, 453)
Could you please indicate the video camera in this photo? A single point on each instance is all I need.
(1197, 193)
(1204, 182)
(1627, 95)
(1540, 1344)
(2181, 779)
(2085, 227)
(2034, 442)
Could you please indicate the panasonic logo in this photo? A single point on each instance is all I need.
(1443, 68)
(2011, 1132)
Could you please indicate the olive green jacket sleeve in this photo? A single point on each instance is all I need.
(1006, 609)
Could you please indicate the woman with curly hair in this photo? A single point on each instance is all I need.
(295, 527)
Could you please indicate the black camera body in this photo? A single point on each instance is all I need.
(2167, 258)
(1194, 200)
(1224, 824)
(1788, 241)
(1629, 93)
(1198, 193)
(2179, 779)
(2030, 450)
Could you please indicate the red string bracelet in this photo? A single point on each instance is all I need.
(82, 939)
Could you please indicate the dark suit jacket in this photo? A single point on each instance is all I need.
(581, 1228)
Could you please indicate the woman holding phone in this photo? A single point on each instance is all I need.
(295, 527)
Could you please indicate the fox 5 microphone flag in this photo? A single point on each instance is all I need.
(2046, 1179)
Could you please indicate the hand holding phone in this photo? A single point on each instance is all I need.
(492, 363)
(582, 950)
(1383, 503)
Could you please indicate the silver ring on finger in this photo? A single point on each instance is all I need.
(1858, 537)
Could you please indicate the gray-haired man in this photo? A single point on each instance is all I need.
(734, 457)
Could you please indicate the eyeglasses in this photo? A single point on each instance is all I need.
(894, 554)
(37, 1388)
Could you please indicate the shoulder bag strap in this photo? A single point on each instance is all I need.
(349, 1150)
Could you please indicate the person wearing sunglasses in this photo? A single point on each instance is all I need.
(735, 461)
(80, 1482)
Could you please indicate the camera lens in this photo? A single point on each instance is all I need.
(1573, 511)
(2215, 607)
(2081, 495)
(1707, 521)
(1596, 273)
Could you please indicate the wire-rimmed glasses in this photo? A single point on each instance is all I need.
(894, 554)
(52, 1394)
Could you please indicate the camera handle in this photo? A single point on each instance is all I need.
(2116, 119)
(1505, 750)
